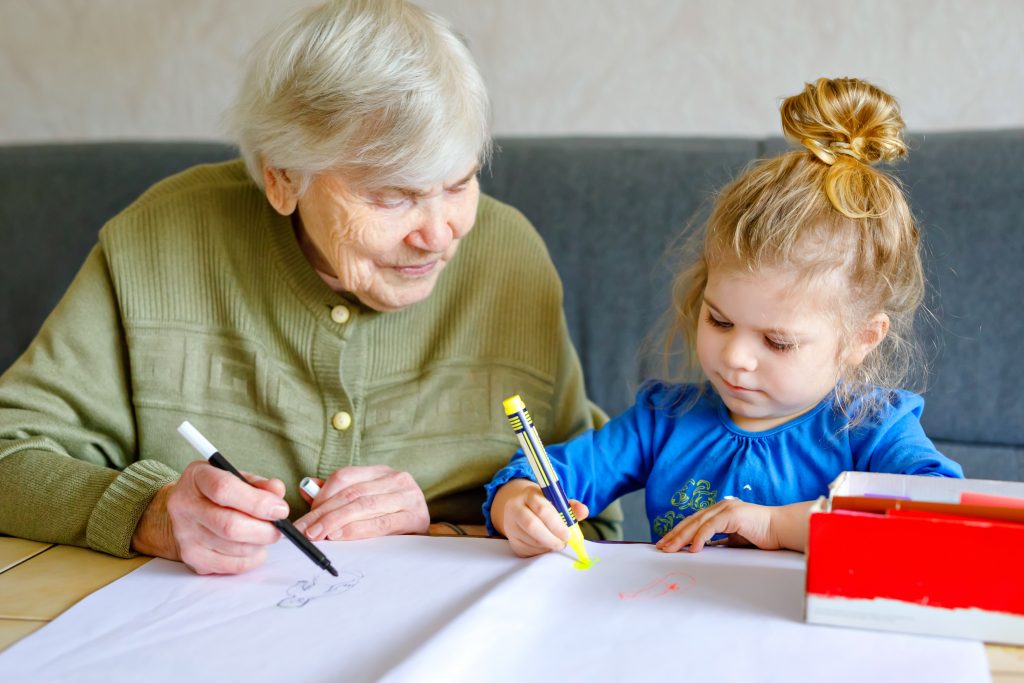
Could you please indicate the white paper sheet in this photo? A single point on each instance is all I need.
(455, 609)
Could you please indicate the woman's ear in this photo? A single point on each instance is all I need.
(870, 336)
(281, 190)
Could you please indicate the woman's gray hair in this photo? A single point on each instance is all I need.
(380, 90)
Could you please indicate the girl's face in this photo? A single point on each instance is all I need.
(767, 344)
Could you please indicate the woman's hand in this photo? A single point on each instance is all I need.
(522, 514)
(767, 527)
(364, 502)
(212, 521)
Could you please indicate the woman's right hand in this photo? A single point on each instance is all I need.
(212, 521)
(528, 520)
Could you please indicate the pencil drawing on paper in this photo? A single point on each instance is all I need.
(301, 592)
(675, 583)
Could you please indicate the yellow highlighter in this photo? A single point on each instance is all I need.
(522, 425)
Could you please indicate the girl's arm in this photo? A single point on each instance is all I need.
(896, 442)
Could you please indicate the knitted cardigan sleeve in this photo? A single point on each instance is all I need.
(68, 470)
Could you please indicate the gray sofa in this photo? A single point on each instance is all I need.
(608, 209)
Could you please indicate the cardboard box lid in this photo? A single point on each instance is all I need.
(919, 488)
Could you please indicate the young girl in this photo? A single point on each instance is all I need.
(798, 311)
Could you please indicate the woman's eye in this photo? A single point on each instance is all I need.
(390, 202)
(715, 322)
(779, 345)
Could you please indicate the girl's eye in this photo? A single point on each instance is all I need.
(715, 322)
(779, 345)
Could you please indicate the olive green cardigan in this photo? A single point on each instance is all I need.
(198, 304)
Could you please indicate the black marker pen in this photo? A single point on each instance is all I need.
(206, 449)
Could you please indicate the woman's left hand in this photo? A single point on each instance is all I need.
(767, 527)
(364, 502)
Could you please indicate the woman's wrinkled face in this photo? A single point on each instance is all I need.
(386, 245)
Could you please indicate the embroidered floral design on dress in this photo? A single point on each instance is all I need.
(695, 495)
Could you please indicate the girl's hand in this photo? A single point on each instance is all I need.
(522, 514)
(767, 527)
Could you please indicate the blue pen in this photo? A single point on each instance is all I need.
(522, 425)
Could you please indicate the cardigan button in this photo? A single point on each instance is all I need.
(341, 421)
(340, 314)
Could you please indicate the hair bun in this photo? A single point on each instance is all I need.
(839, 118)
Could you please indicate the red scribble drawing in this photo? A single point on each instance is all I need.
(672, 583)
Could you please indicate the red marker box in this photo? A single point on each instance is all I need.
(902, 553)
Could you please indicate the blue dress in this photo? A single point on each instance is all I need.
(691, 458)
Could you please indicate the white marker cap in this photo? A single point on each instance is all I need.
(197, 440)
(309, 486)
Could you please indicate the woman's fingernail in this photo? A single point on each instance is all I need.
(314, 531)
(279, 511)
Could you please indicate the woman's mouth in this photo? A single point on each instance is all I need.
(416, 270)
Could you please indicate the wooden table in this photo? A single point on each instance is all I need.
(38, 581)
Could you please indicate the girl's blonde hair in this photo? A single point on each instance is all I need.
(824, 210)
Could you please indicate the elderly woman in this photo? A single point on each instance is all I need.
(344, 304)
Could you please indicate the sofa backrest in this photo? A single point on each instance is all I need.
(54, 198)
(608, 209)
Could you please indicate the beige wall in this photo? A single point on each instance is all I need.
(104, 69)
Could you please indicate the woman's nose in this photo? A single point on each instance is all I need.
(432, 232)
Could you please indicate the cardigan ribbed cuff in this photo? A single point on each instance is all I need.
(120, 508)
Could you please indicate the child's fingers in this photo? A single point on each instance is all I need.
(678, 537)
(687, 531)
(529, 536)
(704, 533)
(579, 509)
(557, 533)
(535, 527)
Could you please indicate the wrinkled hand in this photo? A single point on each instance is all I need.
(212, 521)
(364, 502)
(767, 527)
(528, 520)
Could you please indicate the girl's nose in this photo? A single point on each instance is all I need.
(738, 354)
